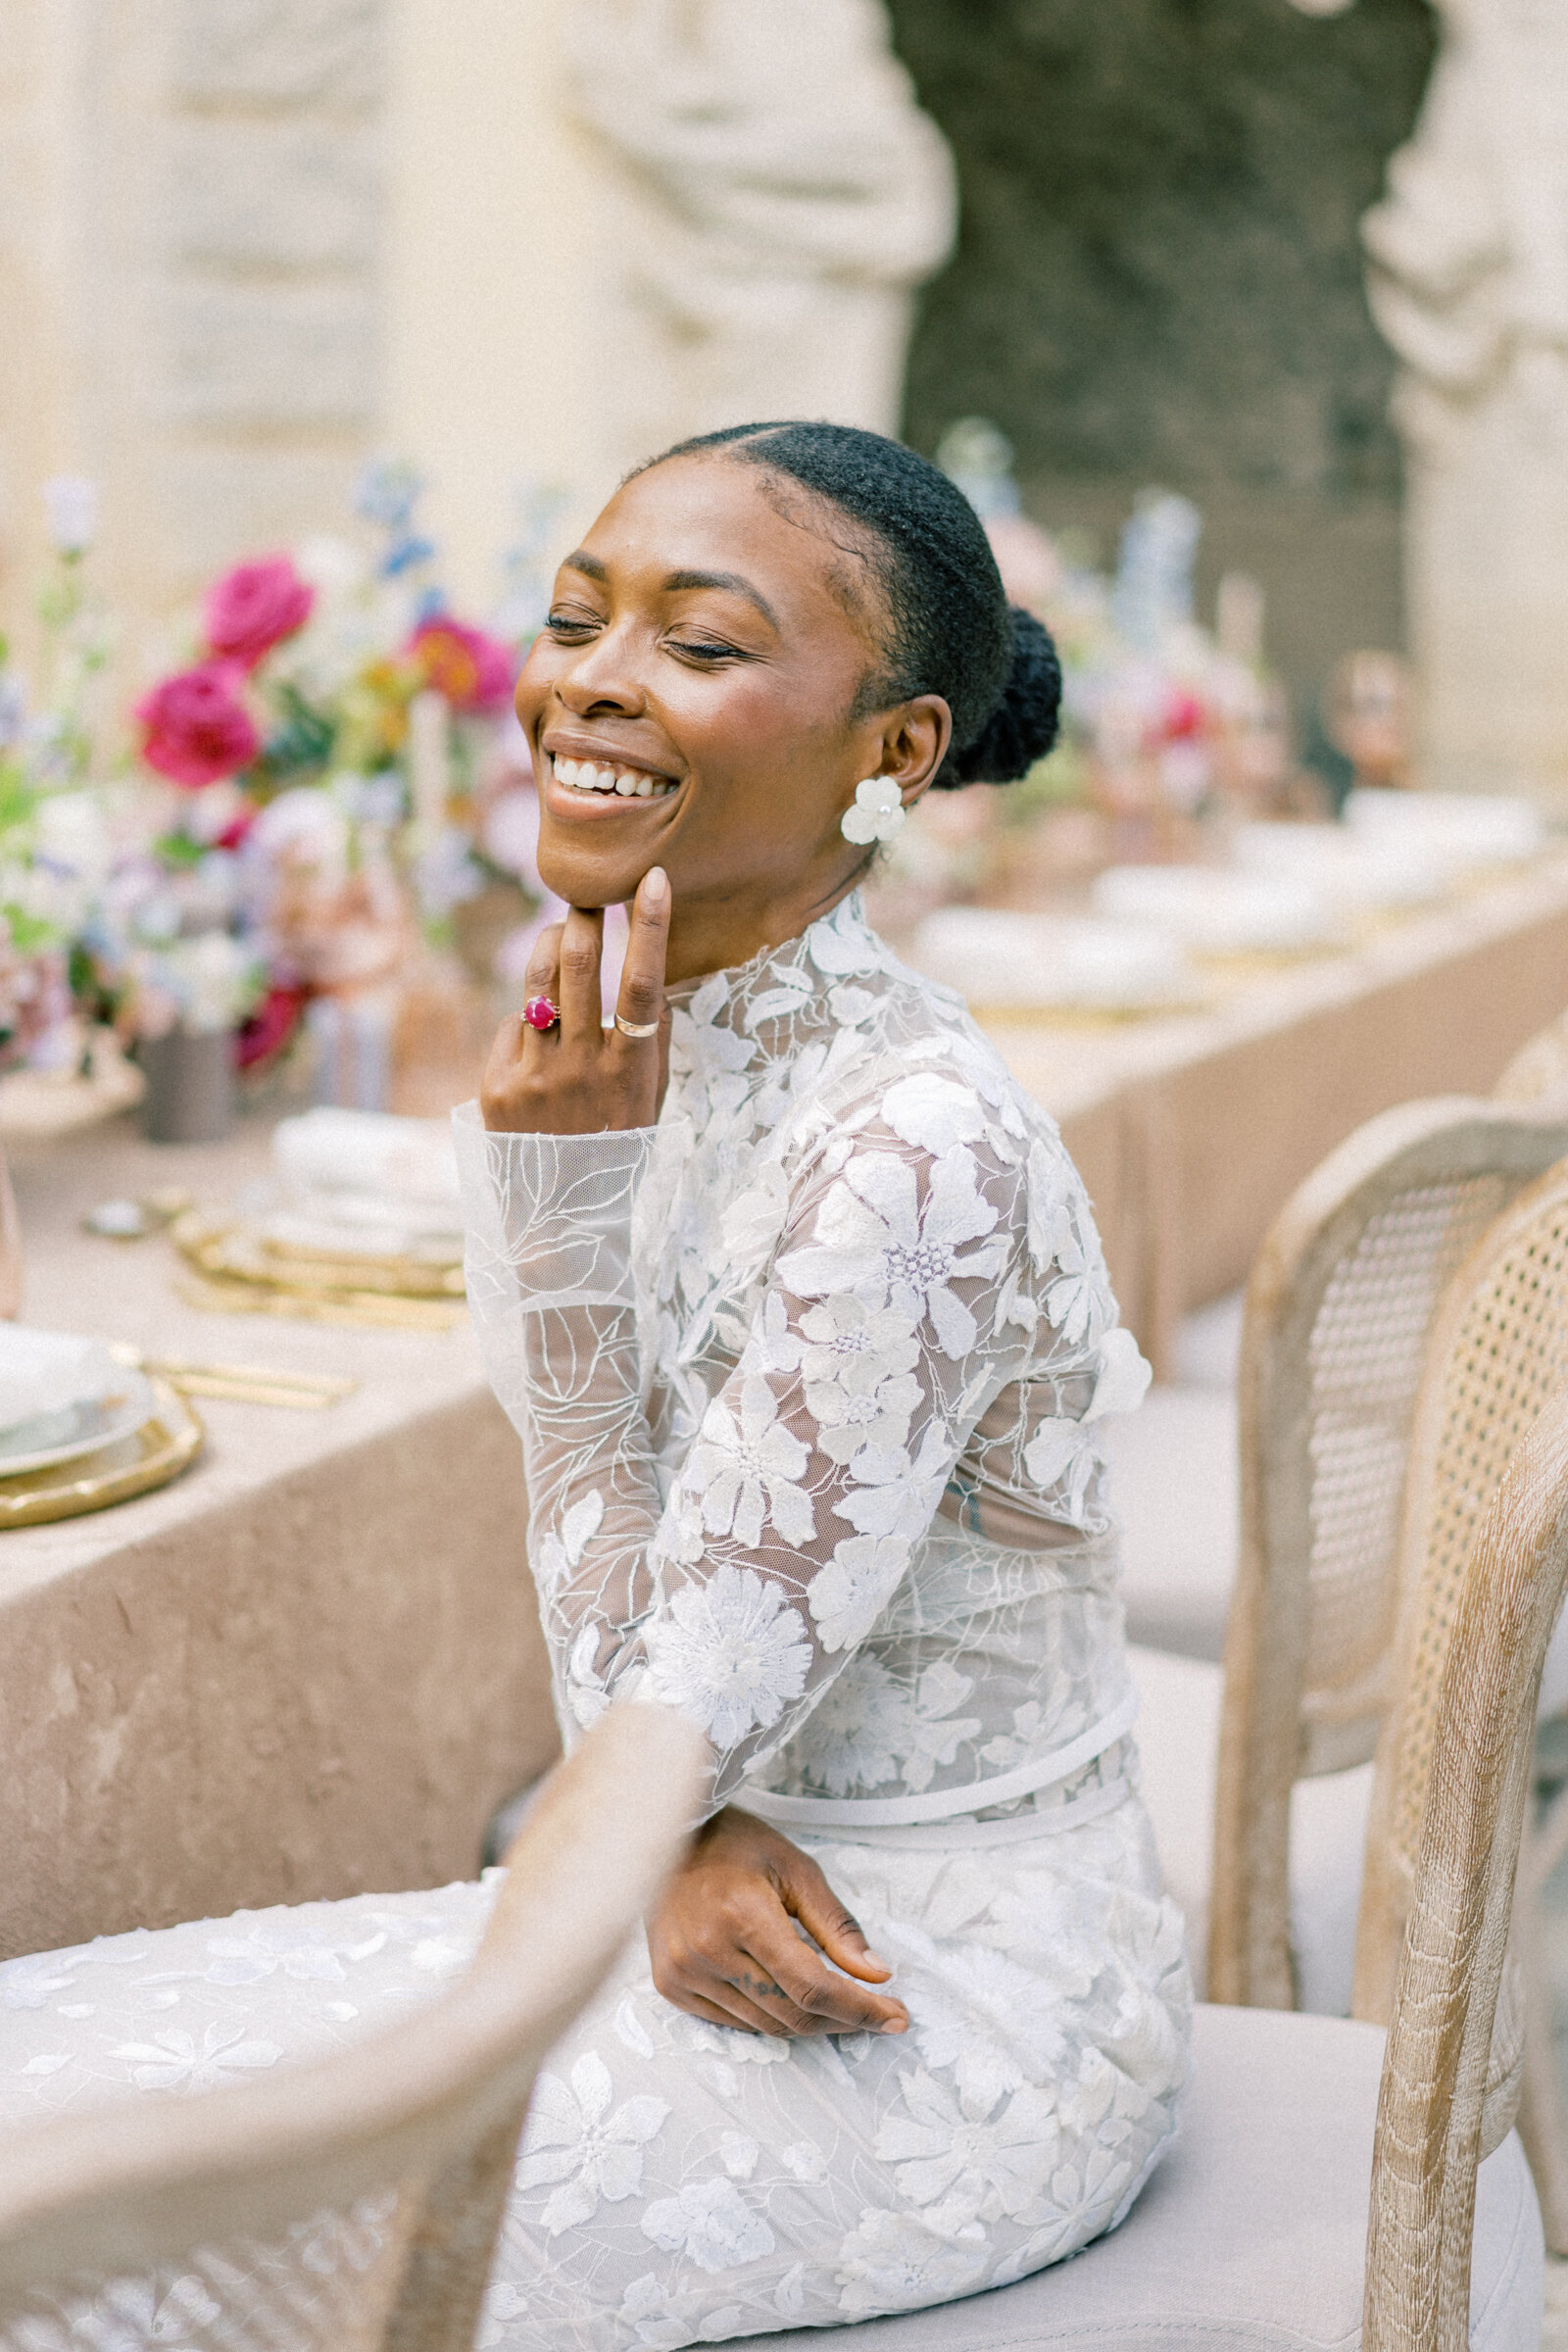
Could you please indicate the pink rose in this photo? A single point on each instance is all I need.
(255, 607)
(473, 670)
(196, 730)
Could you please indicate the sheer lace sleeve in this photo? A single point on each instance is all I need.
(901, 1281)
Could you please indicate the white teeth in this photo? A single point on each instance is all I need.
(627, 783)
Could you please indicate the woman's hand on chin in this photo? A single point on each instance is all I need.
(578, 1077)
(723, 1943)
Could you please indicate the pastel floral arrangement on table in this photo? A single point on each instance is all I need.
(327, 786)
(292, 744)
(1166, 724)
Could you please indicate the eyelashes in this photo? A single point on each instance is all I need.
(570, 627)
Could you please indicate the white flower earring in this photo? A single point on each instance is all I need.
(877, 812)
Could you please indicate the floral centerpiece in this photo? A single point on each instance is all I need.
(321, 760)
(1168, 727)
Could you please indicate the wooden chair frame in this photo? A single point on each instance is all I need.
(432, 2108)
(1480, 1744)
(1482, 1156)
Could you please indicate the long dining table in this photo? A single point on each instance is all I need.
(312, 1666)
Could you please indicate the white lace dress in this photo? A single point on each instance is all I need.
(807, 1378)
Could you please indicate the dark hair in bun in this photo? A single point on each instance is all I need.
(951, 629)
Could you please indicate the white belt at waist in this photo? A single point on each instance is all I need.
(823, 1813)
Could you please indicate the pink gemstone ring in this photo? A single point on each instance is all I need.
(540, 1013)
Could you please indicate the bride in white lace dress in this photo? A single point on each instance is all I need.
(798, 1306)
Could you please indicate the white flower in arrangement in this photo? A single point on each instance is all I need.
(729, 1653)
(856, 1371)
(70, 502)
(874, 1237)
(741, 1458)
(849, 1594)
(581, 2147)
(710, 2222)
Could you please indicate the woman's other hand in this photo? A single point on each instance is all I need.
(723, 1945)
(580, 1078)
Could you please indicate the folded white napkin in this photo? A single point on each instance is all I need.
(998, 959)
(1219, 912)
(1477, 828)
(363, 1182)
(368, 1153)
(47, 1372)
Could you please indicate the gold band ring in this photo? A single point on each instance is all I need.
(638, 1029)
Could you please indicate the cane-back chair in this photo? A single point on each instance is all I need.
(1537, 1078)
(352, 2205)
(1499, 1348)
(1339, 1310)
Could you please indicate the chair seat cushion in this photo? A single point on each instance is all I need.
(1173, 1484)
(1178, 1745)
(1253, 2232)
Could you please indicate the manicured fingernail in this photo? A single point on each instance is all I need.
(655, 886)
(895, 2025)
(876, 1960)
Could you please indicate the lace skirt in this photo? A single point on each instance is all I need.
(679, 2183)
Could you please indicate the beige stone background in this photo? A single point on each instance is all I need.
(245, 242)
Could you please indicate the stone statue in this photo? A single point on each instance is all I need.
(1468, 280)
(777, 195)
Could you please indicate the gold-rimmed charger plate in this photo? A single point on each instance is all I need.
(227, 1252)
(167, 1442)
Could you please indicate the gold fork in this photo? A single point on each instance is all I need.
(239, 1383)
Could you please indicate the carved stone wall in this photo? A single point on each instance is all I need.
(1469, 281)
(189, 223)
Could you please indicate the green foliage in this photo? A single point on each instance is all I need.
(300, 746)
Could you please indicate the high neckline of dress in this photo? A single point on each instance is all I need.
(783, 997)
(827, 948)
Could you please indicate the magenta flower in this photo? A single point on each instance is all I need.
(196, 730)
(473, 670)
(255, 607)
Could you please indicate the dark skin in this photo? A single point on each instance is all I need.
(714, 633)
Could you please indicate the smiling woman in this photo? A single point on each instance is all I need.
(799, 1309)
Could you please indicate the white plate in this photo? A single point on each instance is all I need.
(82, 1429)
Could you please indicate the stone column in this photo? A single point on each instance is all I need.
(1469, 283)
(189, 252)
(772, 196)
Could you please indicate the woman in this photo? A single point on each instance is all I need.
(799, 1308)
